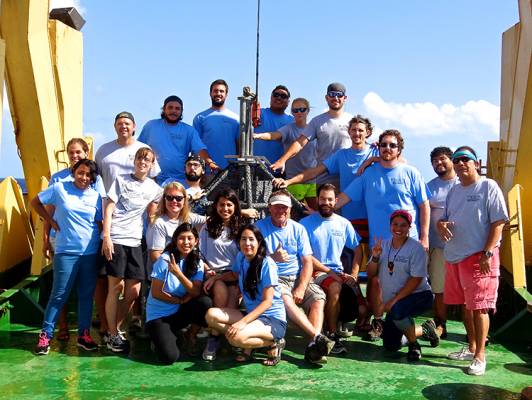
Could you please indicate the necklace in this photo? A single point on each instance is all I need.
(391, 264)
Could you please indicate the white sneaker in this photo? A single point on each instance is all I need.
(462, 355)
(477, 367)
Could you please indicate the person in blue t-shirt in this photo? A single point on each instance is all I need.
(271, 119)
(218, 127)
(264, 324)
(175, 299)
(77, 221)
(172, 140)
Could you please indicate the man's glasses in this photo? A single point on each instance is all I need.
(334, 93)
(384, 145)
(461, 159)
(168, 197)
(391, 265)
(278, 95)
(299, 110)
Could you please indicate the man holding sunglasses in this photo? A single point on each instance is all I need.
(329, 130)
(472, 224)
(271, 119)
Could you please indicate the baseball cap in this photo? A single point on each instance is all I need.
(336, 87)
(125, 114)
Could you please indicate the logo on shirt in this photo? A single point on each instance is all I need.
(397, 181)
(473, 197)
(335, 232)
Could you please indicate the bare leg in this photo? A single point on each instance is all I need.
(315, 315)
(220, 294)
(100, 294)
(298, 316)
(481, 322)
(440, 311)
(116, 285)
(131, 293)
(467, 316)
(332, 307)
(234, 292)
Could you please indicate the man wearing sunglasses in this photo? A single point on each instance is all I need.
(218, 126)
(471, 226)
(271, 119)
(173, 140)
(328, 130)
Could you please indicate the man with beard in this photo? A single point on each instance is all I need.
(288, 245)
(329, 233)
(173, 140)
(442, 164)
(328, 129)
(271, 119)
(385, 187)
(218, 126)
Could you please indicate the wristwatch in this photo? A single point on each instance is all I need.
(488, 253)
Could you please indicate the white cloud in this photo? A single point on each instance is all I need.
(68, 3)
(476, 118)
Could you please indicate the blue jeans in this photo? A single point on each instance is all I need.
(401, 317)
(70, 269)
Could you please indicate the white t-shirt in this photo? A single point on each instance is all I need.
(220, 253)
(160, 233)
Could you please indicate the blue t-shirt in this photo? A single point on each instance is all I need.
(345, 163)
(172, 145)
(77, 213)
(385, 190)
(219, 131)
(270, 122)
(294, 239)
(328, 237)
(439, 189)
(156, 308)
(268, 277)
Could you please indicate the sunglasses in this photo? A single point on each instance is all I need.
(334, 93)
(384, 145)
(168, 197)
(462, 159)
(391, 265)
(280, 95)
(299, 110)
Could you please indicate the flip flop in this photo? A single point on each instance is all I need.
(272, 361)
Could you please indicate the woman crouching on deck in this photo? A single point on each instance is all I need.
(264, 324)
(174, 301)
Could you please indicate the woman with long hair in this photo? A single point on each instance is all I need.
(264, 324)
(174, 300)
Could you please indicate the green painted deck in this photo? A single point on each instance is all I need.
(366, 372)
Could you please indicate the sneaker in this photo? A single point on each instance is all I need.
(122, 335)
(343, 330)
(462, 355)
(313, 354)
(116, 344)
(85, 341)
(338, 347)
(414, 351)
(376, 330)
(43, 344)
(429, 333)
(104, 337)
(324, 344)
(213, 344)
(477, 367)
(443, 331)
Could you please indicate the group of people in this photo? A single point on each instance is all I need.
(423, 245)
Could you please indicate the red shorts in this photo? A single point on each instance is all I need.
(465, 284)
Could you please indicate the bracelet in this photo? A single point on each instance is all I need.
(374, 259)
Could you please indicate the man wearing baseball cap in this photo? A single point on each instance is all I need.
(472, 223)
(328, 129)
(173, 140)
(289, 246)
(117, 156)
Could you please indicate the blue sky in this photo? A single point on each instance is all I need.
(428, 68)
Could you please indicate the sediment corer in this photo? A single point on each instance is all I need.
(247, 101)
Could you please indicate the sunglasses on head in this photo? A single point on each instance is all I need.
(391, 265)
(462, 159)
(334, 93)
(384, 145)
(280, 95)
(299, 110)
(169, 197)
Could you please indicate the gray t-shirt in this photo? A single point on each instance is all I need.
(330, 135)
(410, 261)
(303, 160)
(220, 253)
(114, 160)
(160, 233)
(472, 209)
(131, 197)
(438, 189)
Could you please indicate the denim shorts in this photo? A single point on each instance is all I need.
(278, 327)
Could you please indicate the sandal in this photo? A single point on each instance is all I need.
(273, 360)
(63, 335)
(245, 357)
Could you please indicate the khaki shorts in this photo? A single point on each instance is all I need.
(436, 270)
(313, 293)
